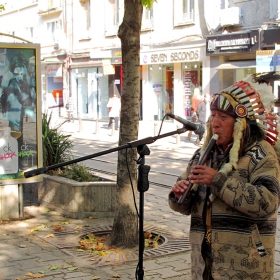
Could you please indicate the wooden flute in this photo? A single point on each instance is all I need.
(201, 161)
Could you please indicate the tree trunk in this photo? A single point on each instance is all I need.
(125, 227)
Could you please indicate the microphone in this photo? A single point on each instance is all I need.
(197, 128)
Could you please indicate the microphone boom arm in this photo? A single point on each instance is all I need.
(133, 144)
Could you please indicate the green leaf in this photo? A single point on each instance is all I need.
(54, 267)
(43, 271)
(72, 268)
(80, 250)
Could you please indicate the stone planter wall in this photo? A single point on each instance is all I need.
(77, 200)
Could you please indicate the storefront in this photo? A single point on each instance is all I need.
(232, 57)
(93, 79)
(52, 84)
(270, 40)
(169, 79)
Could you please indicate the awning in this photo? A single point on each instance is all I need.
(237, 64)
(52, 60)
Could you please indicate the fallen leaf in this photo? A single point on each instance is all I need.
(95, 278)
(56, 225)
(64, 266)
(54, 267)
(59, 229)
(65, 223)
(35, 229)
(22, 246)
(99, 246)
(43, 271)
(80, 250)
(118, 276)
(72, 268)
(49, 235)
(148, 235)
(34, 276)
(48, 210)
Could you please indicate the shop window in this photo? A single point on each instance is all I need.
(148, 18)
(192, 77)
(183, 12)
(162, 98)
(114, 15)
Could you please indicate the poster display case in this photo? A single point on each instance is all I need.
(20, 112)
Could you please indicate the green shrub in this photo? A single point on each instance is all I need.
(56, 146)
(78, 172)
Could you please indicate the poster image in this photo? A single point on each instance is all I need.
(20, 114)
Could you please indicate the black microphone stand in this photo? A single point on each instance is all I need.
(142, 184)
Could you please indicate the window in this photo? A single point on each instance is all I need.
(54, 4)
(114, 16)
(183, 12)
(84, 20)
(30, 33)
(148, 18)
(54, 31)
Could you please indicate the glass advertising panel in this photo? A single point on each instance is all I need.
(20, 116)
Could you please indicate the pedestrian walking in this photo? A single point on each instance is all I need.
(194, 119)
(203, 113)
(114, 107)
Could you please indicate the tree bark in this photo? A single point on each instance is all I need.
(125, 227)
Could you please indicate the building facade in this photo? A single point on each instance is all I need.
(186, 46)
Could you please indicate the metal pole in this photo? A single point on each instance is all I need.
(178, 139)
(80, 123)
(113, 127)
(97, 104)
(20, 200)
(155, 129)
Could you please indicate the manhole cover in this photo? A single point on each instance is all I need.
(67, 241)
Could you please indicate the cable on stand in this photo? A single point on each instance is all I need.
(142, 186)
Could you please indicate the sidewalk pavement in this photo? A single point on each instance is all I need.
(26, 250)
(98, 130)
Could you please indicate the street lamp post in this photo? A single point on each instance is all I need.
(97, 75)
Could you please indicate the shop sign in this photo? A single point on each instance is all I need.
(233, 43)
(241, 43)
(169, 56)
(116, 57)
(265, 61)
(108, 70)
(58, 79)
(54, 70)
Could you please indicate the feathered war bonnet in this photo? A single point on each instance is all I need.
(250, 102)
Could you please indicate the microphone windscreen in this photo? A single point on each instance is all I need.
(200, 129)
